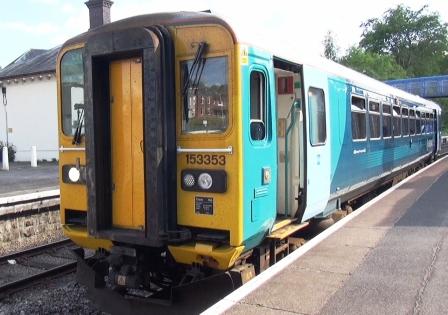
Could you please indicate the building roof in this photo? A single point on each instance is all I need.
(34, 61)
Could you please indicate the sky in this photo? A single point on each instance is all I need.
(299, 24)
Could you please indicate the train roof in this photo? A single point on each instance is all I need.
(190, 18)
(363, 81)
(166, 19)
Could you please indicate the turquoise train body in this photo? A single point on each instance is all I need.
(339, 168)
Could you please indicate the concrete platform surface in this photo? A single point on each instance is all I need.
(390, 259)
(22, 178)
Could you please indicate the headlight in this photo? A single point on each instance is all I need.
(213, 181)
(189, 180)
(74, 174)
(205, 181)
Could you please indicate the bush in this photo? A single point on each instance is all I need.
(11, 152)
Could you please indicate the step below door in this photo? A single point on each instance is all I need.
(127, 159)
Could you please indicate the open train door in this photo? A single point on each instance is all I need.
(318, 153)
(437, 139)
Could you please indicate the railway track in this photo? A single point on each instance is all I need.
(26, 268)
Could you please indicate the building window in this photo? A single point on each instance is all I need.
(397, 121)
(257, 105)
(72, 92)
(358, 109)
(316, 107)
(412, 122)
(405, 121)
(387, 121)
(374, 120)
(201, 81)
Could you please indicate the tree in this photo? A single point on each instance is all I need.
(416, 39)
(331, 50)
(380, 67)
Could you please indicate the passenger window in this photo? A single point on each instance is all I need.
(387, 121)
(358, 109)
(374, 120)
(412, 122)
(397, 121)
(318, 126)
(427, 122)
(257, 105)
(405, 121)
(418, 129)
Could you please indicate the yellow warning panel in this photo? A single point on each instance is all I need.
(244, 54)
(128, 199)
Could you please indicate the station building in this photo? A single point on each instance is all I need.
(31, 108)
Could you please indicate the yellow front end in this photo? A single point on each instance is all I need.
(73, 207)
(209, 151)
(208, 141)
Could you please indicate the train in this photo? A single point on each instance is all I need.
(186, 153)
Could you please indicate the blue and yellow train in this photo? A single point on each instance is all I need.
(186, 153)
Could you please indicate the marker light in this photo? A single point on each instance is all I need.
(205, 181)
(74, 174)
(189, 180)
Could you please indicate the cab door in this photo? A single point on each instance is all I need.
(259, 145)
(318, 161)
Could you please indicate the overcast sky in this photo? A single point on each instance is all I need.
(43, 24)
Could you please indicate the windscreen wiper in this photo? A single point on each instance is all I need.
(193, 77)
(77, 135)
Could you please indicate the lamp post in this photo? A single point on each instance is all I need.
(5, 102)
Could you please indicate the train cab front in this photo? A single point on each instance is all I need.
(153, 184)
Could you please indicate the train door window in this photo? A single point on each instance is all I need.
(418, 129)
(411, 122)
(358, 109)
(397, 121)
(72, 92)
(257, 105)
(405, 121)
(316, 105)
(387, 121)
(427, 122)
(423, 123)
(374, 120)
(431, 123)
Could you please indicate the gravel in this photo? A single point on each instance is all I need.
(61, 295)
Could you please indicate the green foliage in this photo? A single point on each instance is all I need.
(416, 39)
(331, 50)
(380, 67)
(11, 151)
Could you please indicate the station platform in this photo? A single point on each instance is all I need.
(24, 179)
(388, 257)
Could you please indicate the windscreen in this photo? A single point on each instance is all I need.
(207, 100)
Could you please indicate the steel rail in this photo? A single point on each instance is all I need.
(29, 280)
(23, 283)
(35, 250)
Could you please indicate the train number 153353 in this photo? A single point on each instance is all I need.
(206, 159)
